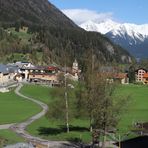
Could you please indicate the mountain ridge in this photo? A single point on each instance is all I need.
(40, 12)
(130, 36)
(56, 32)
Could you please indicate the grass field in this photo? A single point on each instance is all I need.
(10, 137)
(138, 106)
(137, 111)
(51, 129)
(15, 109)
(37, 92)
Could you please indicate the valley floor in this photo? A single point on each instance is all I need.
(53, 129)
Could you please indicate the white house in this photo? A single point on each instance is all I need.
(7, 74)
(139, 74)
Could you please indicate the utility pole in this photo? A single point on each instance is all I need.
(66, 104)
(119, 141)
(92, 86)
(66, 99)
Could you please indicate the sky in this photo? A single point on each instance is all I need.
(123, 11)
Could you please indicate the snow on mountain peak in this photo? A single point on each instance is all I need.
(104, 27)
(130, 36)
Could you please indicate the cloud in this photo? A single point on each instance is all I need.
(80, 16)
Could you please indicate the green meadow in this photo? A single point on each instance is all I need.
(15, 109)
(137, 110)
(9, 137)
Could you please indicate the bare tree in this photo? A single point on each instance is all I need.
(103, 108)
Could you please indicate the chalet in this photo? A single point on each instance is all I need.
(139, 74)
(121, 78)
(7, 74)
(44, 74)
(145, 78)
(113, 74)
(23, 64)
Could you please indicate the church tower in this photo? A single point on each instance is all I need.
(75, 67)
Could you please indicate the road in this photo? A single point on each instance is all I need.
(6, 126)
(19, 128)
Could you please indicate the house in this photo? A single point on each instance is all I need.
(139, 74)
(145, 78)
(43, 77)
(121, 78)
(44, 74)
(113, 74)
(23, 64)
(7, 74)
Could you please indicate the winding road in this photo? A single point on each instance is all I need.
(19, 128)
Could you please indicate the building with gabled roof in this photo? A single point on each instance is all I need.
(139, 73)
(145, 78)
(122, 78)
(7, 74)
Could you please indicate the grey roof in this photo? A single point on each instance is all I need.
(4, 69)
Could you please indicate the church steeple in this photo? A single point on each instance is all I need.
(75, 66)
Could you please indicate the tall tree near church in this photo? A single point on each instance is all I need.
(102, 107)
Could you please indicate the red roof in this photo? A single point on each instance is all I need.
(145, 75)
(52, 68)
(120, 75)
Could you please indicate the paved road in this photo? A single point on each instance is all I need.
(20, 127)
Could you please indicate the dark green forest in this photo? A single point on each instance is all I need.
(51, 36)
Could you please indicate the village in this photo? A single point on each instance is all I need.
(13, 73)
(18, 72)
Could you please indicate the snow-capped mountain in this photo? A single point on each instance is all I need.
(130, 36)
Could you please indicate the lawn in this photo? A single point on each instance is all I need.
(10, 137)
(137, 108)
(38, 92)
(54, 130)
(15, 109)
(137, 111)
(51, 129)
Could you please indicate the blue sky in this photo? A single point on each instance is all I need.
(126, 11)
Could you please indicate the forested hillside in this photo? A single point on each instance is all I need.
(50, 35)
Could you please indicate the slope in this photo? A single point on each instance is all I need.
(54, 35)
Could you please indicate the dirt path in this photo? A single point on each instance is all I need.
(6, 126)
(19, 128)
